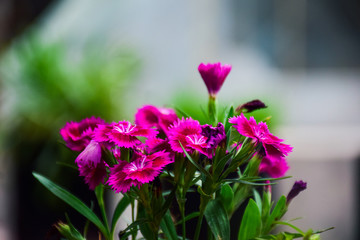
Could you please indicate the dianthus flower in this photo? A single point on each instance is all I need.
(123, 134)
(93, 175)
(274, 168)
(91, 154)
(188, 133)
(151, 116)
(275, 150)
(214, 135)
(214, 75)
(157, 144)
(142, 169)
(77, 135)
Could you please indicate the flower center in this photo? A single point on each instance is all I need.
(138, 164)
(122, 129)
(196, 139)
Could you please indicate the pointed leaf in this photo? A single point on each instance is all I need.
(276, 214)
(217, 220)
(251, 222)
(73, 201)
(168, 227)
(200, 168)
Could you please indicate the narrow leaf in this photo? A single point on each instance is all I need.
(188, 217)
(251, 222)
(217, 220)
(73, 201)
(200, 168)
(257, 199)
(168, 227)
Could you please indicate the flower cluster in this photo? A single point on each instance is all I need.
(225, 161)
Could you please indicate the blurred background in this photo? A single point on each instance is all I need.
(67, 60)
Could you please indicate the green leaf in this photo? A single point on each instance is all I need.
(217, 220)
(226, 196)
(257, 199)
(184, 114)
(120, 208)
(144, 227)
(251, 222)
(276, 214)
(73, 201)
(201, 169)
(229, 113)
(168, 227)
(188, 217)
(127, 231)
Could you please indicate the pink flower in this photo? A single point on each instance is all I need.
(123, 134)
(91, 154)
(214, 75)
(189, 133)
(151, 116)
(142, 169)
(180, 130)
(77, 135)
(157, 144)
(94, 175)
(275, 150)
(274, 168)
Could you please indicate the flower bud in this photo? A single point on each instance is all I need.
(298, 187)
(250, 106)
(214, 75)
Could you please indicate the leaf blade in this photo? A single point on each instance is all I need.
(217, 220)
(72, 200)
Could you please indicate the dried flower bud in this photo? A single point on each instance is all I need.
(250, 106)
(298, 187)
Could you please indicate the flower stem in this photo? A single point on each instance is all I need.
(99, 192)
(212, 110)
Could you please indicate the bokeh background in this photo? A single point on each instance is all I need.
(66, 60)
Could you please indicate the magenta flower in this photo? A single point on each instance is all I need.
(142, 169)
(157, 144)
(77, 135)
(274, 168)
(179, 132)
(94, 175)
(214, 75)
(151, 116)
(275, 150)
(123, 134)
(91, 154)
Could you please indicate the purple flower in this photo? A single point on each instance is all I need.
(250, 106)
(275, 150)
(214, 135)
(214, 75)
(298, 187)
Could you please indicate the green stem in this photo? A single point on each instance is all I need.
(133, 216)
(204, 201)
(212, 110)
(99, 192)
(198, 225)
